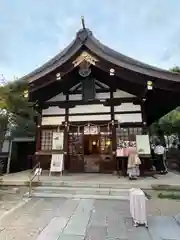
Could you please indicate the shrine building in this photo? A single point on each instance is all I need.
(100, 100)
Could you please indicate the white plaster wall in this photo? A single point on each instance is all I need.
(89, 109)
(125, 107)
(122, 94)
(59, 97)
(75, 97)
(102, 95)
(90, 118)
(52, 120)
(123, 118)
(53, 111)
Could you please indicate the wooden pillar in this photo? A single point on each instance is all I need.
(113, 130)
(38, 136)
(66, 132)
(144, 131)
(144, 117)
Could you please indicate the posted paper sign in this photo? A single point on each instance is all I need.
(143, 144)
(58, 141)
(57, 163)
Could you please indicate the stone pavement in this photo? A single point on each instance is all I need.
(82, 219)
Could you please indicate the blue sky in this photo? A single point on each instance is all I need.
(33, 31)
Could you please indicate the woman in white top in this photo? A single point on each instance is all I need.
(159, 152)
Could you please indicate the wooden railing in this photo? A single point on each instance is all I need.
(33, 173)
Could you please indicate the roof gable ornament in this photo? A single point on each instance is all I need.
(85, 56)
(84, 61)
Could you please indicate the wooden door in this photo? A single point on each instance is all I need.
(91, 153)
(76, 155)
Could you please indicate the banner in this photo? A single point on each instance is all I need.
(91, 130)
(58, 141)
(57, 163)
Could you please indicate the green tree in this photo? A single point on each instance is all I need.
(175, 69)
(15, 110)
(170, 123)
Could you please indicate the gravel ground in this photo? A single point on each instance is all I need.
(9, 197)
(162, 207)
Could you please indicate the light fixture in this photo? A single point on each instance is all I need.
(94, 143)
(111, 71)
(149, 85)
(108, 143)
(58, 76)
(26, 94)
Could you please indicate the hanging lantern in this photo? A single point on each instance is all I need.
(149, 85)
(108, 143)
(94, 143)
(58, 76)
(111, 71)
(26, 94)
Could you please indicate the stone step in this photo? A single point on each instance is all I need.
(76, 196)
(80, 190)
(88, 184)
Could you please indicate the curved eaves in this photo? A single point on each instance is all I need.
(55, 62)
(121, 60)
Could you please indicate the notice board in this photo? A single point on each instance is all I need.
(143, 144)
(57, 163)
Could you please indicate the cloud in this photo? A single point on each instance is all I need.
(34, 31)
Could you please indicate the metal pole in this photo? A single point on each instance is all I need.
(9, 157)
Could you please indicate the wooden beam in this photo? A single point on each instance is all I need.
(75, 89)
(105, 102)
(95, 114)
(99, 84)
(105, 90)
(123, 125)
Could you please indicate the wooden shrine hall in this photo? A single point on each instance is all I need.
(100, 100)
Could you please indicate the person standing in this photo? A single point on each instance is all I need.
(159, 152)
(133, 165)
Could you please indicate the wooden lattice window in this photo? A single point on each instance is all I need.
(105, 143)
(46, 139)
(133, 132)
(127, 135)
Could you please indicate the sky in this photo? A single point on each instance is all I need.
(34, 31)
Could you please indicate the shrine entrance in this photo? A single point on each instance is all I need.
(91, 153)
(90, 149)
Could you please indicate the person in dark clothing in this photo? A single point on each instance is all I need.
(159, 152)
